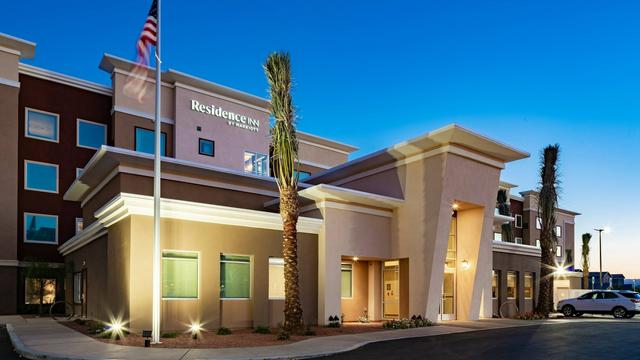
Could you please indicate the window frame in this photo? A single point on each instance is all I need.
(558, 233)
(199, 274)
(516, 217)
(78, 121)
(213, 147)
(250, 275)
(352, 287)
(56, 166)
(515, 290)
(24, 229)
(26, 125)
(166, 140)
(267, 167)
(532, 287)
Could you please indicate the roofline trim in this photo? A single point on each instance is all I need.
(60, 78)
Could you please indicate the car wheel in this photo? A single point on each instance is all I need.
(568, 310)
(619, 313)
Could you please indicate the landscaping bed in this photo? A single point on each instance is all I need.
(210, 339)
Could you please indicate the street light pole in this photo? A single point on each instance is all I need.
(600, 252)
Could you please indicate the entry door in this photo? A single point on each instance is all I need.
(391, 290)
(448, 300)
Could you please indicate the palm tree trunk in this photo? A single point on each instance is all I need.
(289, 214)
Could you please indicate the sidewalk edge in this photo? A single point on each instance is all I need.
(24, 351)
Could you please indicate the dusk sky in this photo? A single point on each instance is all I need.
(374, 73)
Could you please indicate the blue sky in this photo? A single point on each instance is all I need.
(373, 73)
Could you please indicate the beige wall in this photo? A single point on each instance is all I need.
(354, 307)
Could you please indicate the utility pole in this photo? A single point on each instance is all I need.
(600, 252)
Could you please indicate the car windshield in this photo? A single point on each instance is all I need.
(631, 295)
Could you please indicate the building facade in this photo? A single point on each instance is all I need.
(407, 230)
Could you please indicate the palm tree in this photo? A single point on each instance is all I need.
(505, 209)
(586, 237)
(547, 204)
(284, 146)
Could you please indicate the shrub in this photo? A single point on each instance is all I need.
(530, 315)
(334, 322)
(95, 327)
(224, 331)
(262, 330)
(414, 322)
(80, 321)
(170, 335)
(283, 335)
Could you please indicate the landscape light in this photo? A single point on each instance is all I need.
(195, 329)
(116, 328)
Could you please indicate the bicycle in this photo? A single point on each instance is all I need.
(505, 303)
(68, 310)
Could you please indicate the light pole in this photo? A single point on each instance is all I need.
(600, 252)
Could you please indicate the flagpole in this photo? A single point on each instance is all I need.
(155, 326)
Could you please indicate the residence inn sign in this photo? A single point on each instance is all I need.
(232, 119)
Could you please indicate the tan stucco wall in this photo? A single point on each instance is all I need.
(354, 307)
(9, 66)
(320, 155)
(93, 258)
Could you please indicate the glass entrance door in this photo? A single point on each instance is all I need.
(448, 300)
(391, 290)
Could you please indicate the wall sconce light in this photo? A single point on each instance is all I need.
(455, 206)
(465, 264)
(355, 258)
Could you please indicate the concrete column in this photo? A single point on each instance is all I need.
(375, 290)
(260, 294)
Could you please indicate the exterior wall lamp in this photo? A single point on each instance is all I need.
(465, 264)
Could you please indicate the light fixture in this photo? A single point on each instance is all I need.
(560, 270)
(455, 206)
(465, 264)
(116, 328)
(355, 258)
(195, 329)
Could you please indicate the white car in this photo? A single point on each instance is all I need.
(620, 304)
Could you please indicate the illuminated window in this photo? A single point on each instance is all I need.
(146, 139)
(276, 278)
(235, 277)
(39, 176)
(91, 135)
(39, 290)
(495, 290)
(512, 285)
(346, 271)
(39, 228)
(256, 163)
(528, 285)
(41, 125)
(179, 275)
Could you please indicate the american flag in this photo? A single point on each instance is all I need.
(135, 86)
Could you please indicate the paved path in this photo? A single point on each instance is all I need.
(40, 338)
(571, 339)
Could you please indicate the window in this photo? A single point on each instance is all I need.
(255, 163)
(34, 288)
(538, 223)
(495, 289)
(276, 278)
(206, 147)
(79, 224)
(179, 275)
(497, 236)
(538, 243)
(39, 176)
(518, 221)
(346, 271)
(302, 174)
(235, 277)
(79, 172)
(41, 125)
(77, 287)
(610, 295)
(558, 231)
(39, 228)
(90, 134)
(528, 285)
(558, 251)
(630, 295)
(145, 141)
(518, 240)
(512, 285)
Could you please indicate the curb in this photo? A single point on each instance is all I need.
(24, 351)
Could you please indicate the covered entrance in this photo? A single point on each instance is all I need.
(448, 300)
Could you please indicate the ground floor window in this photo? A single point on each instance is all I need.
(77, 288)
(494, 285)
(347, 280)
(558, 251)
(179, 275)
(235, 276)
(528, 285)
(39, 290)
(512, 284)
(276, 278)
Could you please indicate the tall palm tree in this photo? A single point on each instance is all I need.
(505, 209)
(586, 237)
(547, 204)
(284, 146)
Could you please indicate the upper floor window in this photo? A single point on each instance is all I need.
(42, 125)
(518, 240)
(40, 228)
(538, 243)
(79, 172)
(558, 251)
(40, 176)
(558, 231)
(256, 163)
(302, 174)
(79, 224)
(518, 221)
(90, 134)
(497, 236)
(206, 147)
(538, 223)
(145, 141)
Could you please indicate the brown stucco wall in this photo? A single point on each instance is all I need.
(504, 262)
(94, 258)
(354, 307)
(124, 131)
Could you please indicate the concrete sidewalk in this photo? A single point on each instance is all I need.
(45, 338)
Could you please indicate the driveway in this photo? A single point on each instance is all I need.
(579, 339)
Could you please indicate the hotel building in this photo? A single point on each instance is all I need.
(407, 230)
